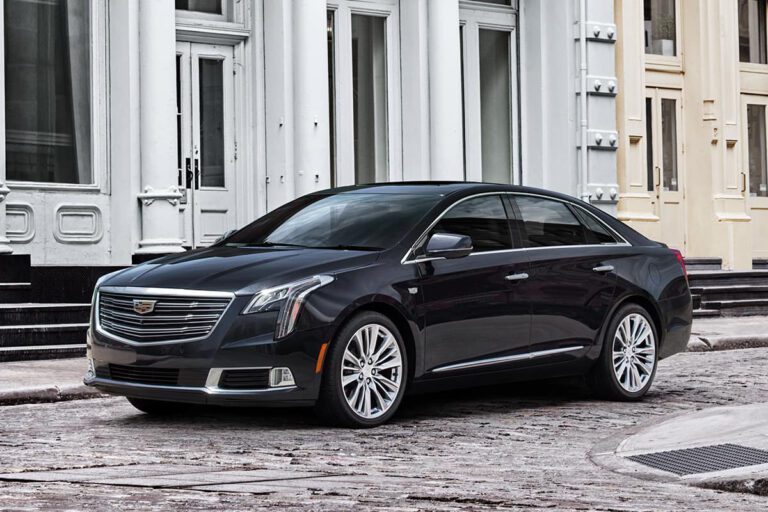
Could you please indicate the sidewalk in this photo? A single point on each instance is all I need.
(44, 381)
(62, 379)
(723, 448)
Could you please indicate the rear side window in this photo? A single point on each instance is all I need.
(548, 223)
(596, 231)
(483, 219)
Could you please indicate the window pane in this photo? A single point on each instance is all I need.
(669, 143)
(752, 44)
(495, 106)
(207, 6)
(758, 180)
(369, 89)
(660, 27)
(649, 143)
(483, 219)
(548, 223)
(211, 123)
(332, 93)
(47, 91)
(595, 231)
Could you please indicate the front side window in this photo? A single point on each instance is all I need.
(364, 221)
(47, 91)
(483, 219)
(752, 43)
(548, 223)
(660, 27)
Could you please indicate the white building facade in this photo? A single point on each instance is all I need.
(142, 127)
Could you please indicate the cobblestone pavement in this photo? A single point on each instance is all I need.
(505, 447)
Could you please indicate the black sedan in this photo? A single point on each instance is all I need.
(345, 299)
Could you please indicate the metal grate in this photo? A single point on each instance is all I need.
(703, 459)
(170, 318)
(144, 375)
(257, 378)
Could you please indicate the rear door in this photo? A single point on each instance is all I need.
(475, 308)
(572, 278)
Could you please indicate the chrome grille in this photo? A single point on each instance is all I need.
(175, 316)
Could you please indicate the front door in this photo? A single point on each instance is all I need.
(476, 309)
(206, 141)
(663, 108)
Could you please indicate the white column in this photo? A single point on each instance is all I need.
(446, 137)
(157, 82)
(5, 247)
(310, 97)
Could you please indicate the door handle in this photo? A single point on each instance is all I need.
(516, 277)
(189, 175)
(197, 173)
(603, 268)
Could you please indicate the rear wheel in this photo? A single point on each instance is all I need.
(157, 407)
(364, 379)
(627, 365)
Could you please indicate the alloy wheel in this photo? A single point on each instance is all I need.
(634, 352)
(371, 371)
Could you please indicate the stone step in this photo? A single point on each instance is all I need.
(42, 335)
(729, 278)
(734, 292)
(703, 264)
(706, 313)
(42, 314)
(742, 307)
(15, 292)
(42, 352)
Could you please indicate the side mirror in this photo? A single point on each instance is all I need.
(449, 246)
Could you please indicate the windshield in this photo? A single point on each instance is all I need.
(358, 221)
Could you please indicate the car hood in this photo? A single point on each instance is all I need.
(242, 270)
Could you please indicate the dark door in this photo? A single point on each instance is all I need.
(572, 280)
(474, 306)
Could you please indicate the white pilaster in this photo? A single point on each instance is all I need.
(5, 248)
(310, 97)
(157, 81)
(446, 137)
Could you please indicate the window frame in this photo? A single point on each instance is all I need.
(99, 108)
(410, 256)
(754, 202)
(668, 62)
(508, 213)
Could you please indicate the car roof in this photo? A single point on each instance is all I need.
(441, 188)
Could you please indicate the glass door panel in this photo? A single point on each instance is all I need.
(496, 106)
(211, 87)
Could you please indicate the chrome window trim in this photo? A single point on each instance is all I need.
(505, 359)
(406, 261)
(154, 292)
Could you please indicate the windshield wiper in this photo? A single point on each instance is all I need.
(343, 247)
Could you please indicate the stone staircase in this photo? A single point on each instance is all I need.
(38, 318)
(729, 293)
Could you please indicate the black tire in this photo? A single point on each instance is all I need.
(157, 407)
(602, 378)
(332, 407)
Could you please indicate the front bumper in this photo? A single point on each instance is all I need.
(232, 345)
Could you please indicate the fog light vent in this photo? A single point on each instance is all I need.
(280, 377)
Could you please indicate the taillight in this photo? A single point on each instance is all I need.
(680, 260)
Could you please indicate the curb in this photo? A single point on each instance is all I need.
(48, 394)
(717, 343)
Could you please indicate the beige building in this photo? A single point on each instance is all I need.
(691, 114)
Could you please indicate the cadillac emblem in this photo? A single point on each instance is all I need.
(143, 307)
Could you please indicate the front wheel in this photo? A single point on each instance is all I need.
(365, 377)
(627, 365)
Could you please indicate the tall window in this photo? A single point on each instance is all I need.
(660, 27)
(758, 161)
(669, 144)
(496, 105)
(752, 42)
(369, 84)
(331, 29)
(47, 91)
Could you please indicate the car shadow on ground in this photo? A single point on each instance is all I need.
(464, 402)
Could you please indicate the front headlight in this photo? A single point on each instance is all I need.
(289, 298)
